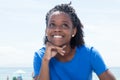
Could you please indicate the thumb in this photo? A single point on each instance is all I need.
(53, 53)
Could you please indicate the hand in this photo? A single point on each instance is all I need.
(52, 50)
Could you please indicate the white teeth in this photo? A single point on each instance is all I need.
(56, 36)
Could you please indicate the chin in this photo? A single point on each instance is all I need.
(59, 45)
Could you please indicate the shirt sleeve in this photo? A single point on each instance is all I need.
(37, 62)
(97, 62)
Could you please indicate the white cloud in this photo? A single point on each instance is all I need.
(7, 50)
(10, 56)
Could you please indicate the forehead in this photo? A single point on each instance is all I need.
(59, 15)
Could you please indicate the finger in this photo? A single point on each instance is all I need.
(53, 53)
(60, 50)
(57, 49)
(64, 46)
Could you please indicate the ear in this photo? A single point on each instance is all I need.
(74, 32)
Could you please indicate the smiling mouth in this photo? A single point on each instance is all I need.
(57, 36)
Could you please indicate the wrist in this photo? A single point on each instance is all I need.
(45, 60)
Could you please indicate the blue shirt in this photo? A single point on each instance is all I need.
(80, 67)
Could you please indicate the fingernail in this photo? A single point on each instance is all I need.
(64, 46)
(63, 51)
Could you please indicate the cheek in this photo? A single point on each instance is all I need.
(69, 35)
(48, 31)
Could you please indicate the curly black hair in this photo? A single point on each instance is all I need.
(77, 40)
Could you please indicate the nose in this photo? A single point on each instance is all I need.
(58, 28)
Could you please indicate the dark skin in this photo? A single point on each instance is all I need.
(59, 33)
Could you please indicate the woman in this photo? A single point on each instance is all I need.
(65, 55)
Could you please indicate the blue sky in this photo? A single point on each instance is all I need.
(22, 26)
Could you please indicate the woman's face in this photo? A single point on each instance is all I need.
(60, 29)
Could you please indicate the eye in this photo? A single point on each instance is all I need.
(51, 25)
(65, 26)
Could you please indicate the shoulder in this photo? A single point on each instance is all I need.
(94, 57)
(88, 50)
(84, 48)
(40, 52)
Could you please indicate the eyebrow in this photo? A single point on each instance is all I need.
(62, 21)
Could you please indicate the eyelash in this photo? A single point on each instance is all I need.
(64, 26)
(51, 25)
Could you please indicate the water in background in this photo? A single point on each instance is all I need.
(10, 72)
(114, 70)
